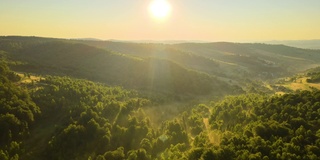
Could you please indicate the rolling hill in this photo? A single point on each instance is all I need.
(223, 59)
(66, 57)
(186, 68)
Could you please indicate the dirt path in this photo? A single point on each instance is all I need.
(214, 136)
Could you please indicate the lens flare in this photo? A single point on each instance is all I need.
(160, 8)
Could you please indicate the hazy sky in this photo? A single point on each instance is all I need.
(209, 20)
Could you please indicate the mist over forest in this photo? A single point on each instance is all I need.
(114, 100)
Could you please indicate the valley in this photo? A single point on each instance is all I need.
(91, 99)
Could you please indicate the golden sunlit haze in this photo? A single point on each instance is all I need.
(208, 20)
(160, 8)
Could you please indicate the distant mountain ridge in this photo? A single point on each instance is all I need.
(307, 44)
(159, 41)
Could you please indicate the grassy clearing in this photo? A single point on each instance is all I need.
(301, 84)
(27, 79)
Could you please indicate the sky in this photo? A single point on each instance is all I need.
(204, 20)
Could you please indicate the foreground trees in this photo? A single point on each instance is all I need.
(260, 127)
(65, 118)
(17, 114)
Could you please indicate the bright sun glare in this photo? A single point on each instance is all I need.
(160, 8)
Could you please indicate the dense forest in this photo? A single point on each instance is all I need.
(314, 75)
(65, 118)
(103, 105)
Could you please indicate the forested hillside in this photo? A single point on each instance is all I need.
(62, 57)
(223, 59)
(314, 75)
(18, 113)
(64, 118)
(71, 99)
(230, 62)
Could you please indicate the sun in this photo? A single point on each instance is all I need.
(160, 9)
